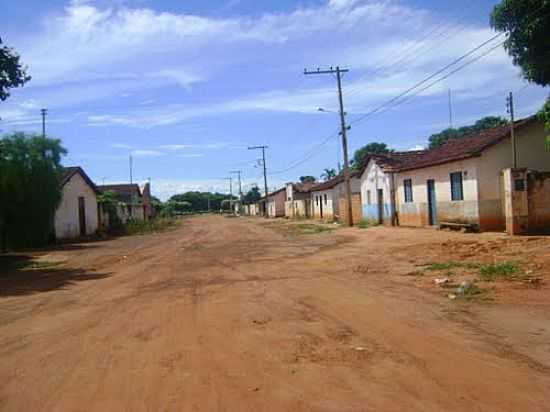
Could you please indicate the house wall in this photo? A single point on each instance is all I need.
(276, 204)
(415, 213)
(356, 209)
(67, 224)
(532, 154)
(318, 204)
(373, 179)
(538, 200)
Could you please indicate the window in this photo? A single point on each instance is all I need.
(368, 197)
(325, 199)
(408, 188)
(457, 192)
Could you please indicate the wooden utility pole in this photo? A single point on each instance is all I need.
(263, 164)
(510, 105)
(344, 128)
(43, 113)
(238, 173)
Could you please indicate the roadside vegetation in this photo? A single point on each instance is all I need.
(161, 224)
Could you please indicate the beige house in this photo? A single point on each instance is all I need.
(276, 203)
(459, 182)
(326, 196)
(134, 203)
(77, 214)
(298, 200)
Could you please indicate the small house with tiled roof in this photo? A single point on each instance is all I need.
(378, 184)
(276, 203)
(458, 183)
(134, 202)
(298, 200)
(77, 214)
(326, 196)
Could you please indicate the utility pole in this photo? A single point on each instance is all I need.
(338, 71)
(238, 173)
(510, 106)
(450, 109)
(230, 192)
(44, 112)
(263, 163)
(131, 169)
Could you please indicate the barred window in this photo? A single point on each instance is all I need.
(457, 190)
(408, 189)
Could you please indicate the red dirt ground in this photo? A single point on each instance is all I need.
(239, 315)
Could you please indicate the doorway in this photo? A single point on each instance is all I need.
(432, 208)
(380, 200)
(321, 205)
(82, 215)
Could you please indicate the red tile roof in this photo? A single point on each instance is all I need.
(454, 149)
(335, 181)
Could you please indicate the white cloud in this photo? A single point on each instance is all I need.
(146, 153)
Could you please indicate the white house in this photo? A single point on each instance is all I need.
(377, 184)
(326, 196)
(77, 214)
(460, 181)
(298, 200)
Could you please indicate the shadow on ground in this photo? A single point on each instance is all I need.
(20, 275)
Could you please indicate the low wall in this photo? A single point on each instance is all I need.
(538, 199)
(356, 207)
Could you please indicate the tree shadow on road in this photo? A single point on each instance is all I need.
(20, 275)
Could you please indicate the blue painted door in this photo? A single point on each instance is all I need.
(432, 208)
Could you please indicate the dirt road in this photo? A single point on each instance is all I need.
(233, 315)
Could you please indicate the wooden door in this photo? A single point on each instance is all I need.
(82, 215)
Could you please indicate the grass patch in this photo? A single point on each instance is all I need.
(366, 223)
(152, 226)
(308, 229)
(491, 272)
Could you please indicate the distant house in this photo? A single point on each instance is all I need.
(298, 200)
(276, 203)
(77, 214)
(458, 183)
(378, 185)
(327, 196)
(135, 203)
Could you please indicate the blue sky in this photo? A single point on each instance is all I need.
(186, 86)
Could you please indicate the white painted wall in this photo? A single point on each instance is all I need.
(67, 224)
(329, 206)
(416, 212)
(373, 179)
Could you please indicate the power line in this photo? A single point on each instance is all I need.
(425, 80)
(414, 49)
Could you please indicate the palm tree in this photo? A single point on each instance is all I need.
(328, 173)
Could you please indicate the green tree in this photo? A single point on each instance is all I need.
(201, 200)
(109, 204)
(308, 179)
(30, 173)
(488, 122)
(252, 196)
(328, 173)
(527, 27)
(12, 72)
(372, 148)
